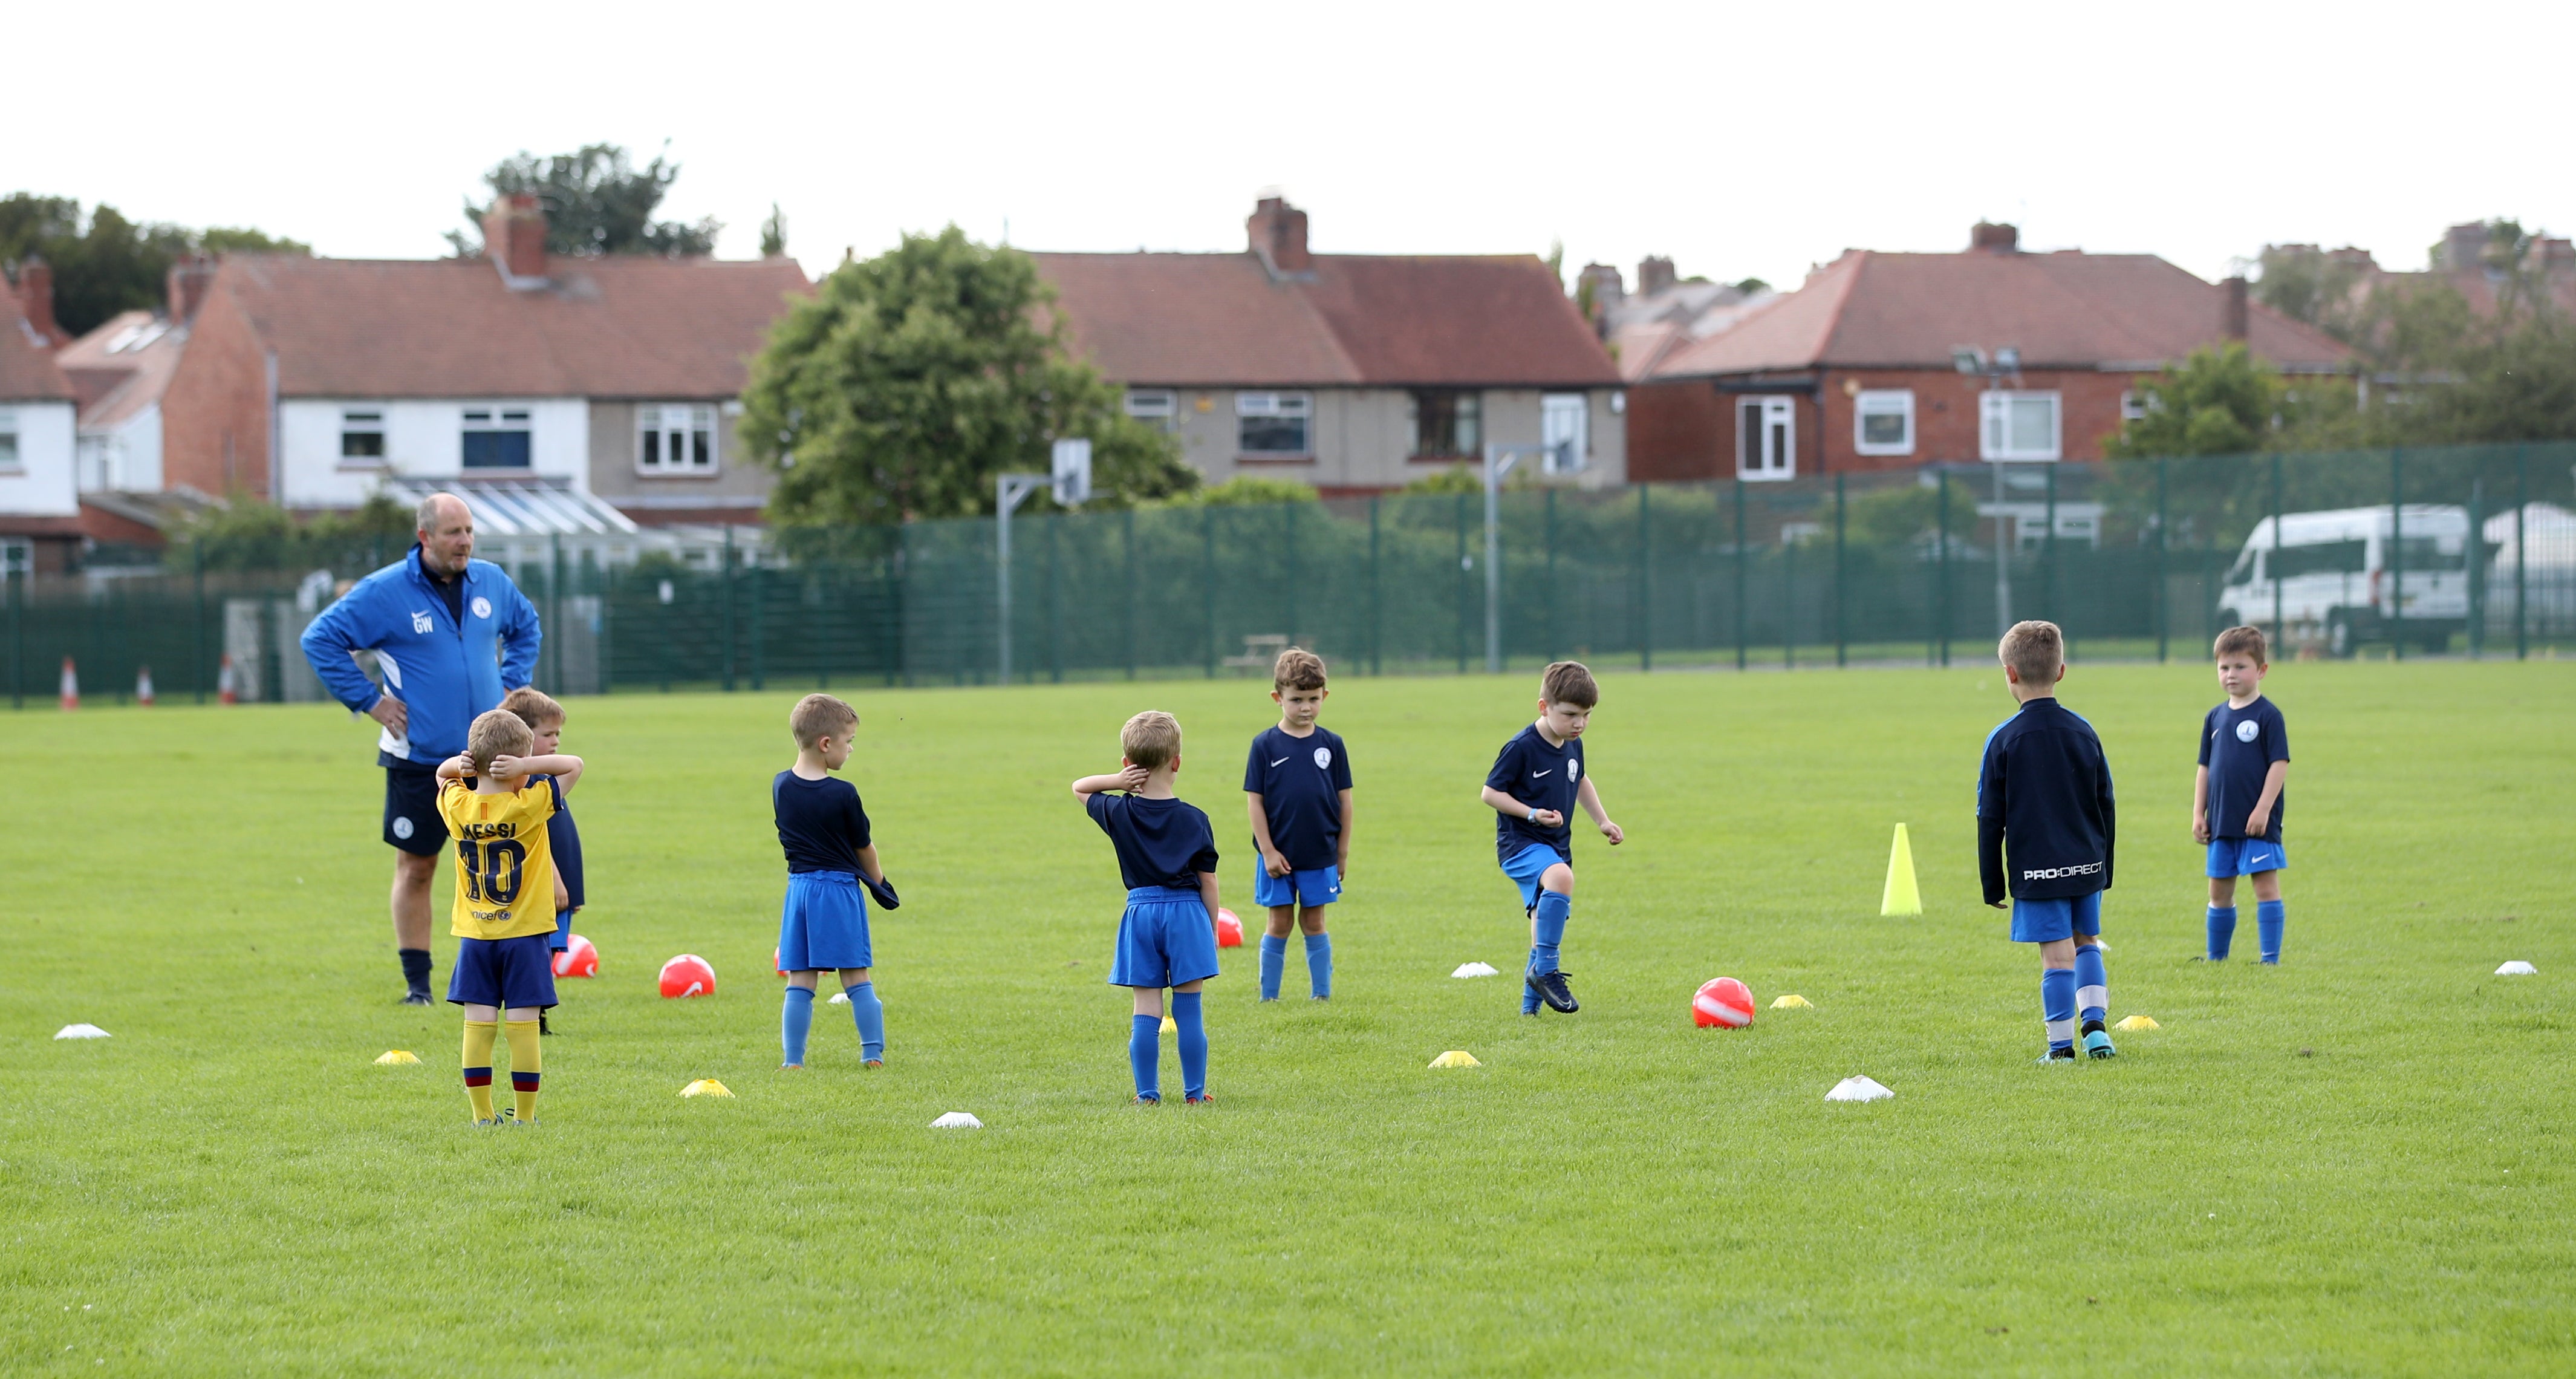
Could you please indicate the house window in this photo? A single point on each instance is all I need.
(1273, 424)
(8, 440)
(1565, 428)
(2018, 426)
(362, 439)
(1766, 438)
(17, 555)
(2133, 405)
(1159, 408)
(1446, 424)
(496, 438)
(1883, 422)
(675, 438)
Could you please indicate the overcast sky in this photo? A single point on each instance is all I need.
(1741, 140)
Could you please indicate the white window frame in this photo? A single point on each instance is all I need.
(1994, 425)
(1565, 428)
(1755, 460)
(653, 419)
(2133, 405)
(1153, 404)
(12, 459)
(1870, 402)
(1275, 404)
(383, 458)
(496, 416)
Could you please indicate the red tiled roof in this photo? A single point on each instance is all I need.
(122, 367)
(606, 327)
(2062, 310)
(27, 369)
(1220, 320)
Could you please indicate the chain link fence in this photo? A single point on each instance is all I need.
(2467, 550)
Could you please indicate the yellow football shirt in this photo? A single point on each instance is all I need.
(505, 874)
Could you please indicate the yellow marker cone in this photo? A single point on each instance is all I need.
(1901, 897)
(1793, 1001)
(706, 1086)
(398, 1056)
(2138, 1022)
(1456, 1058)
(1169, 1027)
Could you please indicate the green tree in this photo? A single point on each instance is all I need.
(2316, 288)
(773, 233)
(252, 534)
(1249, 490)
(906, 383)
(2220, 400)
(596, 202)
(105, 263)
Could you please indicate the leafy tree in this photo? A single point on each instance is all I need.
(2320, 289)
(105, 263)
(2219, 401)
(1249, 490)
(908, 382)
(222, 239)
(252, 534)
(773, 233)
(1457, 478)
(596, 202)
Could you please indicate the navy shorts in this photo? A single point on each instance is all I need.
(1314, 887)
(824, 923)
(513, 973)
(2046, 921)
(411, 808)
(2244, 857)
(1165, 938)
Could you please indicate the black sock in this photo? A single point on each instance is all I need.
(415, 963)
(2092, 1027)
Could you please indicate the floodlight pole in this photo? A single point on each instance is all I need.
(1499, 460)
(1009, 491)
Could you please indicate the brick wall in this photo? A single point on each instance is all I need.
(1945, 413)
(215, 416)
(1679, 431)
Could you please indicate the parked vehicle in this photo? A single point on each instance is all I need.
(2337, 577)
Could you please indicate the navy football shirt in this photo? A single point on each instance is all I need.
(1159, 842)
(820, 823)
(564, 841)
(1541, 776)
(1300, 780)
(2044, 803)
(2239, 746)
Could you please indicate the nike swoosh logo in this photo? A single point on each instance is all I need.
(1277, 762)
(1534, 775)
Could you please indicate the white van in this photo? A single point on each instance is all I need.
(2331, 574)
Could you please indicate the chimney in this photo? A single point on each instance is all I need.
(1655, 276)
(2464, 247)
(2232, 310)
(1278, 234)
(1993, 238)
(188, 280)
(1599, 292)
(514, 237)
(36, 300)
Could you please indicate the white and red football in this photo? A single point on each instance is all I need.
(1725, 1002)
(578, 959)
(1229, 930)
(688, 975)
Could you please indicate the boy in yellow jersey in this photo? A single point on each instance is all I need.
(505, 893)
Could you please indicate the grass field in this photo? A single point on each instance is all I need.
(2356, 1163)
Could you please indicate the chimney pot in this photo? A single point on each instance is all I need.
(1278, 234)
(36, 300)
(2234, 313)
(187, 283)
(1993, 238)
(514, 235)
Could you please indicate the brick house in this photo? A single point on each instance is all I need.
(312, 382)
(1855, 370)
(1354, 373)
(40, 528)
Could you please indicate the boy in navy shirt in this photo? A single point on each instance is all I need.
(831, 871)
(1297, 787)
(2044, 806)
(1167, 937)
(545, 718)
(2236, 800)
(1537, 780)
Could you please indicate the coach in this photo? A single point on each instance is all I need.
(451, 635)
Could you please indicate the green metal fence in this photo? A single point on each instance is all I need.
(2460, 550)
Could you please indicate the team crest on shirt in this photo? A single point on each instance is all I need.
(1574, 769)
(2246, 730)
(482, 606)
(1324, 758)
(420, 622)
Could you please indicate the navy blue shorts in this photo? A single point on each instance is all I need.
(2046, 921)
(411, 808)
(824, 923)
(513, 973)
(1314, 887)
(1165, 938)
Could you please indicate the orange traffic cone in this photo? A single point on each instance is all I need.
(224, 691)
(71, 686)
(143, 686)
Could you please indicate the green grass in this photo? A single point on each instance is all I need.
(2353, 1164)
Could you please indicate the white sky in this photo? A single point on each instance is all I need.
(1740, 139)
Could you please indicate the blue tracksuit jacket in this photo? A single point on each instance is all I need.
(444, 674)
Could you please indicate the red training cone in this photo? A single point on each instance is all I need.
(71, 686)
(143, 687)
(1725, 1003)
(578, 959)
(1229, 930)
(688, 975)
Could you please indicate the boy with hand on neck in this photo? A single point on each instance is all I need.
(2044, 805)
(1167, 936)
(1297, 788)
(1537, 780)
(831, 871)
(504, 915)
(2236, 802)
(545, 718)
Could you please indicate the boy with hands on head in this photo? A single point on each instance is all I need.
(1167, 935)
(823, 924)
(1536, 782)
(2236, 800)
(1297, 788)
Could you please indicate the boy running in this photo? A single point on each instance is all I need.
(1537, 780)
(2236, 802)
(504, 900)
(1167, 936)
(1297, 788)
(545, 718)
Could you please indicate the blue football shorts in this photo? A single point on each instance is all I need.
(2244, 856)
(1165, 938)
(2046, 921)
(1312, 887)
(1528, 865)
(824, 923)
(513, 973)
(563, 932)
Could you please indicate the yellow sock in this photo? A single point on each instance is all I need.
(478, 1066)
(525, 1065)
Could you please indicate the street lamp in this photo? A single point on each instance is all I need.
(2006, 361)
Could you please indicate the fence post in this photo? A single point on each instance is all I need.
(2396, 554)
(2164, 584)
(1645, 582)
(17, 582)
(1841, 656)
(554, 602)
(903, 602)
(1741, 645)
(1289, 585)
(1054, 600)
(2476, 558)
(1129, 524)
(1377, 603)
(2521, 501)
(197, 559)
(1941, 564)
(1207, 586)
(724, 589)
(1463, 581)
(607, 620)
(759, 649)
(1548, 602)
(2048, 553)
(2272, 563)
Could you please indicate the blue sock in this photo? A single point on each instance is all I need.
(1186, 1022)
(1145, 1051)
(868, 1013)
(2268, 917)
(1274, 956)
(795, 1020)
(1319, 964)
(2057, 1006)
(1549, 929)
(2222, 931)
(2092, 988)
